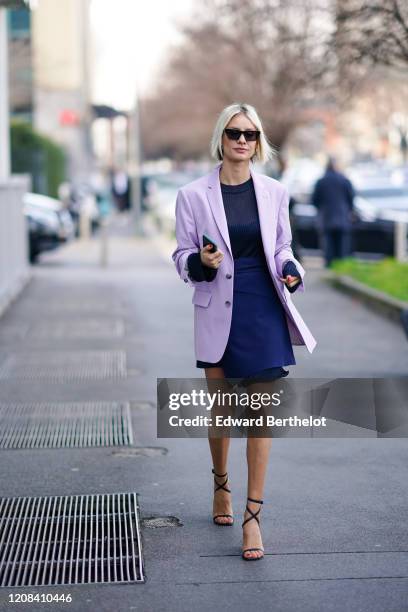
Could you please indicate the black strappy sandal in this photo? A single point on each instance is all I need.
(254, 515)
(222, 486)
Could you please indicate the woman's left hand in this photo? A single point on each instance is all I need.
(289, 279)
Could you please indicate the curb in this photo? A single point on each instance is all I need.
(392, 308)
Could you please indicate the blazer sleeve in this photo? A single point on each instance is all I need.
(283, 249)
(198, 271)
(186, 236)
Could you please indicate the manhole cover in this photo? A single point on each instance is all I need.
(135, 405)
(78, 539)
(65, 425)
(58, 366)
(85, 328)
(141, 451)
(156, 522)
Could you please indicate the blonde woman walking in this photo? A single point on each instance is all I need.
(244, 320)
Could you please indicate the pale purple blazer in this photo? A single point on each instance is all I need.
(200, 209)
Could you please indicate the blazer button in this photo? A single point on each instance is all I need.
(228, 303)
(185, 280)
(228, 276)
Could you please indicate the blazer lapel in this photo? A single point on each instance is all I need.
(215, 199)
(265, 211)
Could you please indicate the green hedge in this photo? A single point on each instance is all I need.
(37, 155)
(387, 275)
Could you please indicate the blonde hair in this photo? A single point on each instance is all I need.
(263, 151)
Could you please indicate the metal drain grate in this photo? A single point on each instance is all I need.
(78, 539)
(58, 366)
(65, 425)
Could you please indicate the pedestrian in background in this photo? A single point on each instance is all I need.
(121, 189)
(245, 320)
(333, 196)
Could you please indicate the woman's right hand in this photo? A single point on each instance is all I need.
(211, 260)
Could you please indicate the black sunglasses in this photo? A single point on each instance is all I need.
(235, 134)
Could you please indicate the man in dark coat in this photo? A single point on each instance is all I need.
(333, 196)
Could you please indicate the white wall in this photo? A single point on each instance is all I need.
(15, 269)
(4, 100)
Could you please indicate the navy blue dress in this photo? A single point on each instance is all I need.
(259, 343)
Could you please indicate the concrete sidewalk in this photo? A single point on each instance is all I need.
(335, 511)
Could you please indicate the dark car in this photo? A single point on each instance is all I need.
(49, 223)
(370, 234)
(381, 199)
(43, 232)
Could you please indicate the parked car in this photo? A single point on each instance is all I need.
(79, 197)
(381, 199)
(49, 223)
(43, 228)
(161, 193)
(370, 234)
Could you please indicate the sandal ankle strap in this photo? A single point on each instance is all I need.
(254, 515)
(257, 501)
(219, 475)
(222, 484)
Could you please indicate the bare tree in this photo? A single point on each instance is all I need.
(270, 53)
(372, 32)
(371, 45)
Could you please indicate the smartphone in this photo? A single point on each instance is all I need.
(208, 240)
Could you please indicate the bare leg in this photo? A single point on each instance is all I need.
(219, 447)
(258, 450)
